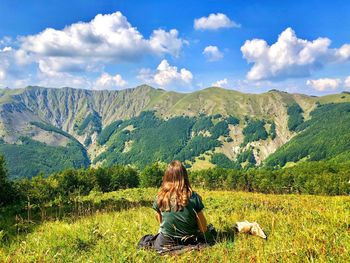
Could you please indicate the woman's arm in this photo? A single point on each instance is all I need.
(202, 222)
(159, 217)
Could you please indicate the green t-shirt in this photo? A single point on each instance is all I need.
(183, 222)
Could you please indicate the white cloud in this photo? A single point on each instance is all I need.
(6, 41)
(166, 75)
(2, 74)
(290, 56)
(106, 39)
(64, 79)
(106, 81)
(10, 74)
(220, 83)
(6, 49)
(343, 53)
(324, 84)
(163, 42)
(347, 82)
(61, 79)
(9, 64)
(212, 53)
(146, 75)
(61, 56)
(6, 61)
(214, 22)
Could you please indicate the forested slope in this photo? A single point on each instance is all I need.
(45, 129)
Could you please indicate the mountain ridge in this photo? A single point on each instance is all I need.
(84, 114)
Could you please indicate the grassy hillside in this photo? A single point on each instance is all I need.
(300, 228)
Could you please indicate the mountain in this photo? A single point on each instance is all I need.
(47, 129)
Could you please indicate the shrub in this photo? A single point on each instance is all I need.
(152, 175)
(273, 133)
(6, 190)
(122, 177)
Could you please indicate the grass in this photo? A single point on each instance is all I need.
(300, 228)
(199, 164)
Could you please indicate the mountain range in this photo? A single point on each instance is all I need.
(50, 129)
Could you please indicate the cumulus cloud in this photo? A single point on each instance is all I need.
(220, 83)
(60, 79)
(162, 42)
(105, 39)
(6, 59)
(62, 56)
(324, 84)
(214, 22)
(9, 62)
(5, 41)
(212, 53)
(166, 75)
(2, 74)
(347, 83)
(342, 53)
(6, 49)
(10, 75)
(107, 81)
(290, 56)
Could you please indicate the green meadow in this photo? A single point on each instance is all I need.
(106, 228)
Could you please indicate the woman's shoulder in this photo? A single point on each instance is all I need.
(196, 201)
(195, 195)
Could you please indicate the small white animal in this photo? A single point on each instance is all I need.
(251, 228)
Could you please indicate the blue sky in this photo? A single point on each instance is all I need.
(251, 46)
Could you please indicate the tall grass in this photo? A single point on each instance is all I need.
(300, 228)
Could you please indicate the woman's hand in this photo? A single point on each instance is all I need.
(159, 217)
(202, 222)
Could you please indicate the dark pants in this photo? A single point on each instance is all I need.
(164, 242)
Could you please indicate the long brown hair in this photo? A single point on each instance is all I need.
(175, 190)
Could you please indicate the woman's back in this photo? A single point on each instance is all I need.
(183, 222)
(179, 209)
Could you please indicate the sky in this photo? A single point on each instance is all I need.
(250, 46)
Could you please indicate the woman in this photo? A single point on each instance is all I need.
(179, 210)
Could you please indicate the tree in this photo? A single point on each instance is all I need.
(103, 180)
(232, 120)
(221, 128)
(6, 190)
(254, 131)
(122, 177)
(295, 113)
(41, 193)
(221, 160)
(273, 133)
(152, 175)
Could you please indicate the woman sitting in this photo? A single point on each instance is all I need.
(179, 211)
